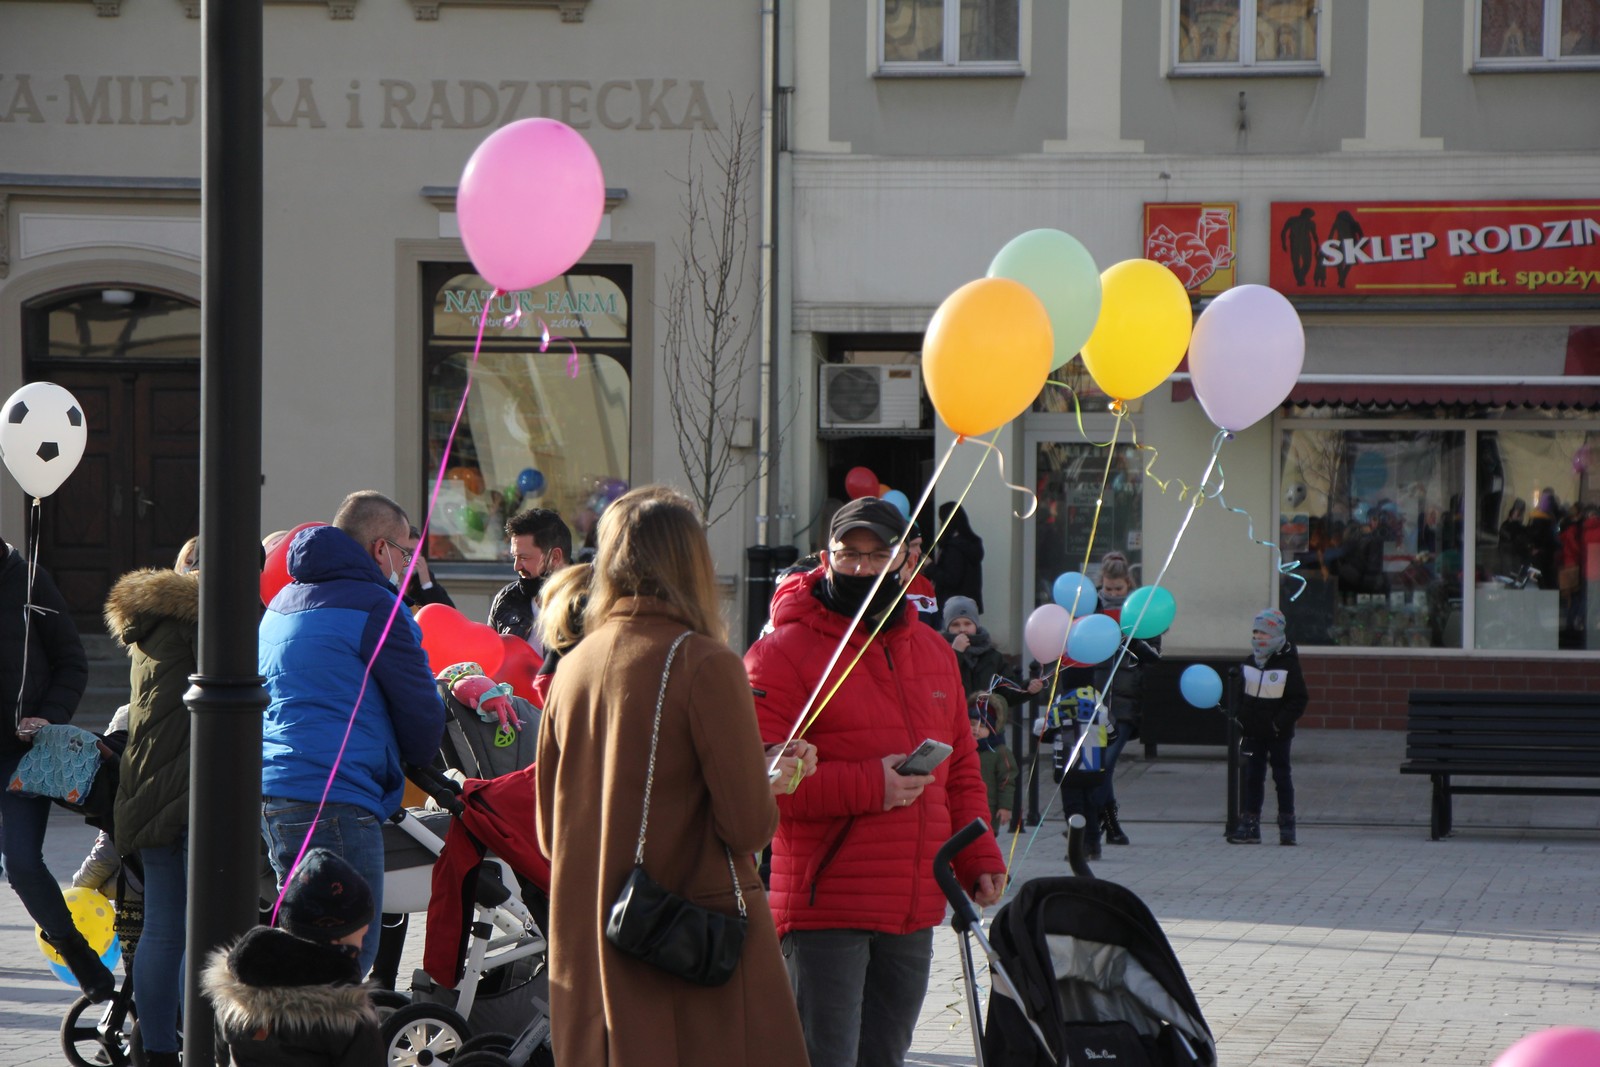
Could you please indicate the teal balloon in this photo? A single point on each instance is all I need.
(1075, 593)
(1093, 639)
(1062, 274)
(900, 501)
(1148, 612)
(1200, 686)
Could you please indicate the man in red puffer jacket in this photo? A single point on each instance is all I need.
(852, 891)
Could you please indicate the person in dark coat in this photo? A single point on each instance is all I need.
(541, 544)
(1274, 699)
(155, 615)
(423, 589)
(957, 568)
(41, 662)
(292, 994)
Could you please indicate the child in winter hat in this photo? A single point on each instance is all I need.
(327, 900)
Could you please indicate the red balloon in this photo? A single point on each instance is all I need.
(519, 666)
(860, 482)
(275, 572)
(449, 637)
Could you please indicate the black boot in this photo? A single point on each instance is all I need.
(163, 1059)
(1111, 827)
(1248, 832)
(93, 976)
(1286, 828)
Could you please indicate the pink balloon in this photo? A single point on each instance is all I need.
(1045, 632)
(1561, 1046)
(530, 203)
(1245, 355)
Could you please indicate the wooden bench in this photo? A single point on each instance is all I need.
(1508, 735)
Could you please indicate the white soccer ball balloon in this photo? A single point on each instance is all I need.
(1295, 495)
(42, 436)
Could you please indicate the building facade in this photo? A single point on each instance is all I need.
(1446, 414)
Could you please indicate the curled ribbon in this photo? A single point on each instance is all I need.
(572, 349)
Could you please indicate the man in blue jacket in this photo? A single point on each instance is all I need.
(331, 637)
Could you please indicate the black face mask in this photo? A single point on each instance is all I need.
(531, 586)
(844, 593)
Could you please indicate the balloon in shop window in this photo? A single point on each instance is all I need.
(860, 482)
(1076, 593)
(530, 481)
(469, 477)
(900, 501)
(43, 432)
(1148, 612)
(1560, 1046)
(530, 203)
(1061, 273)
(986, 354)
(1045, 632)
(1093, 639)
(473, 519)
(1245, 355)
(1200, 685)
(1142, 331)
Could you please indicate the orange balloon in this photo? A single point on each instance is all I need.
(986, 354)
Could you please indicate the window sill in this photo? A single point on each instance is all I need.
(1260, 70)
(1536, 66)
(942, 70)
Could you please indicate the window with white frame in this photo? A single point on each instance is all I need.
(1524, 33)
(1226, 36)
(934, 35)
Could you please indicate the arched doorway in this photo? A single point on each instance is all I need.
(132, 358)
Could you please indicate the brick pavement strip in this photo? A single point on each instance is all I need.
(1368, 944)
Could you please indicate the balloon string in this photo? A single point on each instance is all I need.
(1077, 410)
(1000, 457)
(1285, 570)
(31, 531)
(544, 346)
(1149, 468)
(394, 610)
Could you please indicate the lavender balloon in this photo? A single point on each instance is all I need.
(1245, 355)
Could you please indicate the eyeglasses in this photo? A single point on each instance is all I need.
(848, 559)
(405, 554)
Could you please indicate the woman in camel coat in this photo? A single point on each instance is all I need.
(654, 580)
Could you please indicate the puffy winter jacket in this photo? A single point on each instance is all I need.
(155, 615)
(316, 639)
(1274, 695)
(839, 860)
(958, 570)
(58, 670)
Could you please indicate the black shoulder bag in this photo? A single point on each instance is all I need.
(661, 928)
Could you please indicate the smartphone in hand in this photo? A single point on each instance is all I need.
(928, 755)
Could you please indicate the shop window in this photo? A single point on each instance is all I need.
(940, 35)
(542, 428)
(1375, 519)
(1537, 33)
(1225, 36)
(1067, 478)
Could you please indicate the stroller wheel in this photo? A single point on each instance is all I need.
(423, 1034)
(387, 1002)
(481, 1058)
(96, 1035)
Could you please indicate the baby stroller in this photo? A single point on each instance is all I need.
(1082, 974)
(483, 978)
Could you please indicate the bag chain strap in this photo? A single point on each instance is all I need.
(650, 776)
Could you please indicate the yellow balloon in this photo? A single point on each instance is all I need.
(92, 914)
(1143, 329)
(986, 354)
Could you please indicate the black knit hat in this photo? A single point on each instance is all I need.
(327, 899)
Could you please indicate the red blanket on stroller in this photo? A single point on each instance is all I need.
(499, 817)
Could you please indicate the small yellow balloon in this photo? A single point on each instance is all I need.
(986, 354)
(1143, 329)
(93, 915)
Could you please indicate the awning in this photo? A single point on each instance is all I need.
(1383, 394)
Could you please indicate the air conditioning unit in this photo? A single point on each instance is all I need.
(870, 397)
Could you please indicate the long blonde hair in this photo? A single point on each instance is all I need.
(561, 604)
(652, 543)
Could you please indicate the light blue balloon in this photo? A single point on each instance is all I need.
(899, 500)
(1062, 274)
(1074, 586)
(1200, 686)
(1148, 612)
(1093, 639)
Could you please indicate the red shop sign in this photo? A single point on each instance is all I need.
(1436, 248)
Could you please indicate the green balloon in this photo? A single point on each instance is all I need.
(473, 520)
(1148, 612)
(1062, 274)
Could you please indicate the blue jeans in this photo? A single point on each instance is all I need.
(158, 963)
(351, 832)
(1257, 754)
(25, 819)
(859, 993)
(1105, 795)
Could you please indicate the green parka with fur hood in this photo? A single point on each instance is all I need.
(155, 615)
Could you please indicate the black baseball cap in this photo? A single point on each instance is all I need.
(869, 513)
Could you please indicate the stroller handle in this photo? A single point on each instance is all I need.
(944, 873)
(445, 791)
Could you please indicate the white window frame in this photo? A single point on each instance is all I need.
(952, 63)
(1248, 64)
(1549, 59)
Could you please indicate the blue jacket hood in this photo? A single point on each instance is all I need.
(323, 553)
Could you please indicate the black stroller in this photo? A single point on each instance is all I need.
(1082, 974)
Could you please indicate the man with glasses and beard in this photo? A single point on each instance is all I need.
(333, 635)
(852, 890)
(541, 544)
